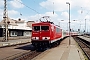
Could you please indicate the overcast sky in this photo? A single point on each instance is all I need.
(34, 9)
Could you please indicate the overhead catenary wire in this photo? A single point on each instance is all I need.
(28, 7)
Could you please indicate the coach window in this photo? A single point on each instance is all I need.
(44, 28)
(36, 28)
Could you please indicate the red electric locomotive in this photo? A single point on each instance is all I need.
(45, 34)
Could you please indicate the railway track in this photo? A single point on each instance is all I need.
(84, 45)
(27, 56)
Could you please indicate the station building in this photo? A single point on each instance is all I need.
(16, 29)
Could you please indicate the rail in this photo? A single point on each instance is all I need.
(84, 45)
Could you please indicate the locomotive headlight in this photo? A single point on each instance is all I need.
(35, 38)
(45, 38)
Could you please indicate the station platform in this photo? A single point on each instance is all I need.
(14, 42)
(63, 52)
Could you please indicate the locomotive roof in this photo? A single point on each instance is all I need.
(48, 22)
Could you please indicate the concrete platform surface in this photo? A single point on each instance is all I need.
(62, 52)
(13, 42)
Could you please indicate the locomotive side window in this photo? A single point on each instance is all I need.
(44, 28)
(57, 30)
(36, 28)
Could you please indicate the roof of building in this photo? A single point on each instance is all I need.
(9, 21)
(14, 22)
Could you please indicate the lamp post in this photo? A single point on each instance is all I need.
(85, 26)
(69, 21)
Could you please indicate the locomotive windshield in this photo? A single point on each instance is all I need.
(44, 28)
(39, 28)
(36, 28)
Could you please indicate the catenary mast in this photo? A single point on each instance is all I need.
(5, 29)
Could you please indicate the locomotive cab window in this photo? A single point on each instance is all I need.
(36, 28)
(45, 28)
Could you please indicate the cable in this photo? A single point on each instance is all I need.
(28, 7)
